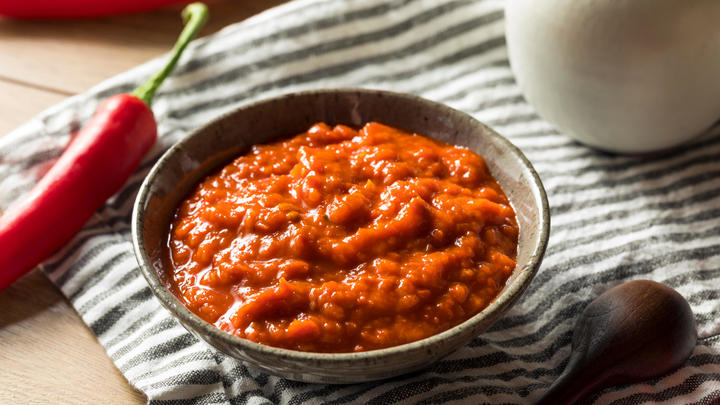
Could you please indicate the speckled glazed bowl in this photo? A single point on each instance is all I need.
(217, 143)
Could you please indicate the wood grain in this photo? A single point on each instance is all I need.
(47, 354)
(72, 56)
(19, 103)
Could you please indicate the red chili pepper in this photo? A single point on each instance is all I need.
(95, 165)
(77, 8)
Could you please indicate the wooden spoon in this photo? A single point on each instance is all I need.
(633, 332)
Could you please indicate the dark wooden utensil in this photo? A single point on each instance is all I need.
(633, 332)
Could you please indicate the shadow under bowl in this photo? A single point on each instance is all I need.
(217, 143)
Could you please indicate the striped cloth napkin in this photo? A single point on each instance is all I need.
(614, 218)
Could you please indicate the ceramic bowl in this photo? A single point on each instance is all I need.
(218, 142)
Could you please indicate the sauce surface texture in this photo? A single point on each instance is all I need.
(343, 240)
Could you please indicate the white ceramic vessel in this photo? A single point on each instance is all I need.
(626, 76)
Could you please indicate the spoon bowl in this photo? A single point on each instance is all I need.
(633, 332)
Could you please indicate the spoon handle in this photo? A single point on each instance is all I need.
(570, 386)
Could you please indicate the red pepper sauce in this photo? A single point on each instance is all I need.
(343, 240)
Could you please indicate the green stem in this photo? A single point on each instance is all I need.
(194, 17)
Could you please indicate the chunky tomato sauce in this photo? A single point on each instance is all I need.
(343, 240)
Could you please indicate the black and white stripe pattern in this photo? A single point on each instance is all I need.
(615, 218)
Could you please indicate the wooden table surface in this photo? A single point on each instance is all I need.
(47, 354)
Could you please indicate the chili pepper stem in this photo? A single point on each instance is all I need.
(194, 15)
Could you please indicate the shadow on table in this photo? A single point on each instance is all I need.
(29, 296)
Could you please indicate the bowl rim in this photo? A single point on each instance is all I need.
(508, 295)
